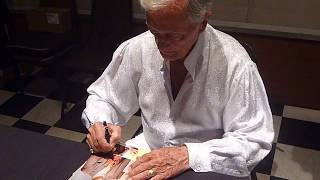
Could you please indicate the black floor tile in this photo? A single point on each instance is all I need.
(299, 133)
(74, 92)
(72, 120)
(31, 126)
(276, 178)
(265, 166)
(138, 113)
(276, 109)
(18, 105)
(139, 131)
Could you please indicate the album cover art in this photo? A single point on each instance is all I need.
(113, 165)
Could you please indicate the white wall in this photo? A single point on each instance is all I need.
(296, 18)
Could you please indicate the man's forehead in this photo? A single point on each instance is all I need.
(151, 28)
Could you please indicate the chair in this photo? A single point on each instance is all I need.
(4, 37)
(39, 47)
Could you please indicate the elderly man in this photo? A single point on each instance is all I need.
(203, 103)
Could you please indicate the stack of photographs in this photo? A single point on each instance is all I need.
(113, 165)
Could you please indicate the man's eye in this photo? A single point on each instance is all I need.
(176, 36)
(154, 33)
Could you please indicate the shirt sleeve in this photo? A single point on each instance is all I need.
(113, 96)
(247, 125)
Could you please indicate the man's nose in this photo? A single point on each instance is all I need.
(163, 43)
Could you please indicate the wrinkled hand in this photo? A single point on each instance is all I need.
(96, 137)
(165, 162)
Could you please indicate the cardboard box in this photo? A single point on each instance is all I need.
(56, 20)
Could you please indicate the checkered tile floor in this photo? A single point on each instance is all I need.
(295, 154)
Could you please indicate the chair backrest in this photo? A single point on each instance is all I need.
(4, 36)
(68, 4)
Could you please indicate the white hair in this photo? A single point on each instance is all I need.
(196, 8)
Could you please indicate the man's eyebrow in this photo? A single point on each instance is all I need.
(156, 30)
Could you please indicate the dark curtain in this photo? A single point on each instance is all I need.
(3, 36)
(112, 21)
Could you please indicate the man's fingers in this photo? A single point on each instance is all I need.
(114, 140)
(140, 165)
(141, 160)
(142, 175)
(93, 135)
(157, 177)
(98, 140)
(90, 143)
(115, 134)
(104, 145)
(166, 174)
(141, 172)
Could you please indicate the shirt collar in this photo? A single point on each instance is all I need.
(192, 59)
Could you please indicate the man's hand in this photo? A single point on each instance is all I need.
(160, 164)
(96, 137)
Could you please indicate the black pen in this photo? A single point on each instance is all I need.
(107, 135)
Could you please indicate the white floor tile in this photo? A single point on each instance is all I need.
(66, 134)
(262, 176)
(129, 129)
(47, 112)
(7, 120)
(302, 114)
(276, 126)
(296, 163)
(5, 95)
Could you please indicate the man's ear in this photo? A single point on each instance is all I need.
(205, 20)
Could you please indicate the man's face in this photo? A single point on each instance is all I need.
(174, 34)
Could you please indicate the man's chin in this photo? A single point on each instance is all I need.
(170, 57)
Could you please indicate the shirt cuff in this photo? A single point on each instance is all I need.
(201, 160)
(198, 157)
(88, 118)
